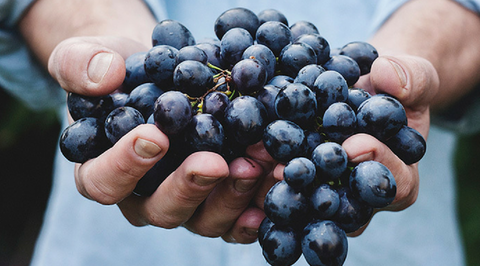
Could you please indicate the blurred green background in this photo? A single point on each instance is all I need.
(28, 141)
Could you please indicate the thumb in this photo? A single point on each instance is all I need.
(91, 65)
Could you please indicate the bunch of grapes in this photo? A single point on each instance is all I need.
(260, 80)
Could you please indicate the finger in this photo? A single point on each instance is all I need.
(363, 147)
(177, 198)
(91, 65)
(113, 175)
(228, 200)
(245, 229)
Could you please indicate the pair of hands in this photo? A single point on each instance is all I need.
(204, 194)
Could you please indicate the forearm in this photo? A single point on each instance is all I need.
(48, 22)
(443, 32)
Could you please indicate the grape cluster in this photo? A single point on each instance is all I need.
(260, 80)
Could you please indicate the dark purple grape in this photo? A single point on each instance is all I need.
(408, 144)
(245, 120)
(281, 246)
(215, 104)
(135, 71)
(352, 213)
(84, 140)
(363, 53)
(339, 122)
(299, 173)
(236, 18)
(264, 55)
(345, 66)
(284, 205)
(249, 76)
(319, 45)
(356, 96)
(121, 121)
(330, 87)
(297, 103)
(172, 112)
(213, 53)
(373, 183)
(280, 81)
(233, 44)
(324, 201)
(191, 53)
(173, 33)
(275, 35)
(303, 27)
(119, 99)
(308, 74)
(267, 96)
(205, 133)
(284, 140)
(160, 63)
(193, 78)
(381, 116)
(330, 159)
(143, 98)
(80, 106)
(271, 15)
(324, 244)
(264, 227)
(294, 57)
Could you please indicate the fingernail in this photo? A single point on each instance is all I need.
(363, 157)
(204, 180)
(244, 185)
(146, 149)
(402, 76)
(98, 66)
(251, 232)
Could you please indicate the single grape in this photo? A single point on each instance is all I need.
(205, 133)
(135, 71)
(324, 243)
(373, 183)
(191, 53)
(83, 140)
(249, 76)
(215, 104)
(324, 201)
(284, 140)
(245, 120)
(275, 35)
(119, 99)
(173, 33)
(299, 173)
(308, 74)
(330, 87)
(160, 63)
(352, 213)
(294, 57)
(356, 96)
(381, 116)
(280, 81)
(303, 27)
(283, 205)
(213, 53)
(330, 160)
(297, 103)
(408, 144)
(339, 122)
(121, 121)
(271, 15)
(281, 246)
(313, 139)
(193, 78)
(267, 96)
(264, 227)
(236, 18)
(80, 106)
(172, 112)
(233, 44)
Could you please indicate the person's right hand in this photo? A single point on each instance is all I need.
(204, 194)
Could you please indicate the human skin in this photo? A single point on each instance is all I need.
(422, 64)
